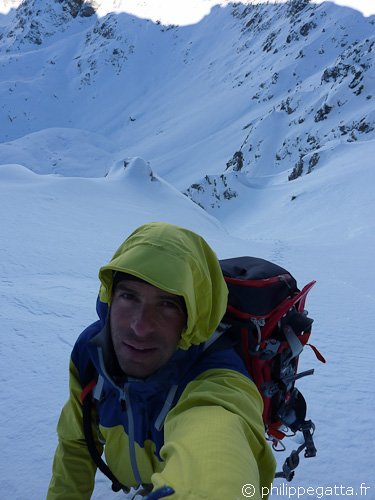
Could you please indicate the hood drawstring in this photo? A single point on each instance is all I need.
(159, 423)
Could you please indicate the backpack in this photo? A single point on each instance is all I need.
(268, 326)
(266, 316)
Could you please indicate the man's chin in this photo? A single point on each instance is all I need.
(138, 371)
(139, 367)
(140, 362)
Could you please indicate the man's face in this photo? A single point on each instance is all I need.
(146, 325)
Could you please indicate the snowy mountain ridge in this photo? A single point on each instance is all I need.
(313, 91)
(297, 79)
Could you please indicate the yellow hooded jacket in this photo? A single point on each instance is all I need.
(212, 442)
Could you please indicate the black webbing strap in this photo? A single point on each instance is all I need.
(292, 461)
(88, 431)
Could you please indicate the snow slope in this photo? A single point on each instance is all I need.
(280, 85)
(57, 232)
(72, 187)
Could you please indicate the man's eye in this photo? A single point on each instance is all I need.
(170, 304)
(127, 296)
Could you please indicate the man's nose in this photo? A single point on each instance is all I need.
(143, 320)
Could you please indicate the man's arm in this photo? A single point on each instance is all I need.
(214, 440)
(73, 468)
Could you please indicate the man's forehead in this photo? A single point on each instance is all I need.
(141, 285)
(136, 284)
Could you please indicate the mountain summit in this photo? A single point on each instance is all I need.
(282, 87)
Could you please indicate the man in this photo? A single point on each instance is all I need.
(171, 411)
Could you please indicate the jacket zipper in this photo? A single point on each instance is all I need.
(125, 404)
(124, 395)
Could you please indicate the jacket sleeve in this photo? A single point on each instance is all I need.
(215, 441)
(73, 472)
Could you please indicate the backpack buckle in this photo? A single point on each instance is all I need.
(270, 350)
(308, 429)
(259, 323)
(270, 388)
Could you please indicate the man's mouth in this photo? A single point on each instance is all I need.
(137, 349)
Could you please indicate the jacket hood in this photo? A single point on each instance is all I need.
(178, 261)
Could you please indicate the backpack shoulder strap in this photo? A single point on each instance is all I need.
(90, 385)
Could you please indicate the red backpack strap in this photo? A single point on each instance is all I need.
(87, 389)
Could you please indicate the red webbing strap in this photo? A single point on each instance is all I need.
(303, 339)
(317, 353)
(305, 291)
(243, 315)
(283, 308)
(273, 430)
(260, 283)
(86, 390)
(245, 343)
(266, 375)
